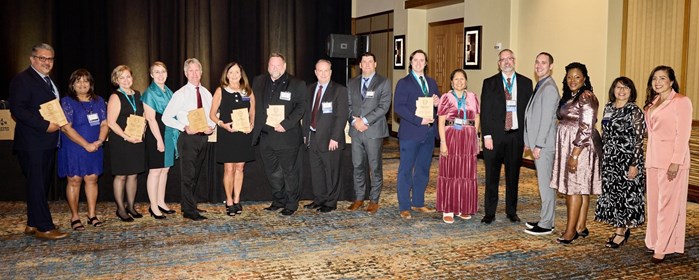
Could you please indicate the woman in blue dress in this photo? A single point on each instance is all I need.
(80, 155)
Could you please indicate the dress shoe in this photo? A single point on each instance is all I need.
(133, 213)
(405, 214)
(584, 233)
(166, 211)
(488, 219)
(514, 218)
(448, 218)
(201, 210)
(152, 214)
(372, 208)
(355, 205)
(655, 260)
(560, 240)
(423, 209)
(464, 216)
(194, 217)
(325, 209)
(32, 230)
(288, 212)
(53, 234)
(272, 208)
(125, 218)
(312, 205)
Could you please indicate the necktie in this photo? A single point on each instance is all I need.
(424, 87)
(537, 86)
(48, 81)
(198, 98)
(365, 87)
(508, 114)
(316, 104)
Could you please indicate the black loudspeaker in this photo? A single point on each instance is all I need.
(342, 46)
(363, 45)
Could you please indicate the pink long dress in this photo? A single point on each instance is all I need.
(456, 186)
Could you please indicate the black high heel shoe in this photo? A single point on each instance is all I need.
(238, 208)
(166, 211)
(152, 214)
(230, 211)
(124, 219)
(134, 213)
(613, 245)
(584, 233)
(560, 240)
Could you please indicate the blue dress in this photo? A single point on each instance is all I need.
(74, 160)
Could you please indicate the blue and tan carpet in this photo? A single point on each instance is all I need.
(336, 245)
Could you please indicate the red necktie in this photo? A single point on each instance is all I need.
(198, 98)
(316, 104)
(508, 114)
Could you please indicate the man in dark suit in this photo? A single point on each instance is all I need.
(416, 135)
(36, 139)
(369, 100)
(324, 136)
(504, 99)
(279, 143)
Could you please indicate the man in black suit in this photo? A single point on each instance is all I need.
(279, 143)
(36, 139)
(504, 99)
(324, 135)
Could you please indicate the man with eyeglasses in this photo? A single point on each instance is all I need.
(504, 99)
(36, 139)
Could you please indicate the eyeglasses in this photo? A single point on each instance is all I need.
(507, 58)
(621, 88)
(43, 58)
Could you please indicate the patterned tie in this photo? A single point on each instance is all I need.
(424, 87)
(365, 87)
(48, 81)
(316, 104)
(508, 114)
(198, 98)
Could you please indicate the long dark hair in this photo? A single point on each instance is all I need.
(77, 75)
(626, 82)
(650, 93)
(410, 66)
(567, 93)
(244, 84)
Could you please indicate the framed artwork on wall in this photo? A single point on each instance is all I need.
(399, 52)
(472, 47)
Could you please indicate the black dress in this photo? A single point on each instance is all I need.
(622, 201)
(237, 146)
(127, 158)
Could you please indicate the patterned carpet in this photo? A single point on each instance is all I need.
(336, 245)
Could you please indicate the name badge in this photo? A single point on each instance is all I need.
(458, 123)
(607, 116)
(285, 95)
(370, 94)
(246, 98)
(93, 119)
(511, 105)
(327, 107)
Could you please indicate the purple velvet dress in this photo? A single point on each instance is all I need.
(457, 183)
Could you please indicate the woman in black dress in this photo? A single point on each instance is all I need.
(127, 153)
(621, 203)
(233, 147)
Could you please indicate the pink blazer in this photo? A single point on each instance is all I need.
(669, 127)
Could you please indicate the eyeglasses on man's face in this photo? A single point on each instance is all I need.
(43, 58)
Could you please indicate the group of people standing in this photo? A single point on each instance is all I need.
(513, 116)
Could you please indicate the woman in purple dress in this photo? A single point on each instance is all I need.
(459, 118)
(80, 155)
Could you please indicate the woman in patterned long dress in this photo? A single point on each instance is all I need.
(622, 201)
(576, 164)
(80, 156)
(459, 118)
(161, 140)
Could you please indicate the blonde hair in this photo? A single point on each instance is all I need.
(157, 63)
(192, 61)
(117, 72)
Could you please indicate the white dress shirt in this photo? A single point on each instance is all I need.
(183, 101)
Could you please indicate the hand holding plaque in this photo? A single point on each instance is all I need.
(52, 112)
(241, 120)
(197, 120)
(275, 115)
(424, 107)
(135, 126)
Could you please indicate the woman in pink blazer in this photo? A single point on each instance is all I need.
(669, 123)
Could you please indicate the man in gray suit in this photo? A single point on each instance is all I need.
(369, 100)
(540, 138)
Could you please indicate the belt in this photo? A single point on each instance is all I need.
(468, 123)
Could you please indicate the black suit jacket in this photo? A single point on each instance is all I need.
(27, 92)
(294, 109)
(328, 125)
(493, 105)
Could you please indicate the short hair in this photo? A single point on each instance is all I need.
(506, 50)
(369, 54)
(117, 72)
(413, 54)
(326, 61)
(244, 83)
(76, 76)
(277, 54)
(190, 61)
(547, 54)
(42, 46)
(626, 82)
(650, 92)
(157, 63)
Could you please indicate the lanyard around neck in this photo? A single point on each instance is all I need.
(130, 98)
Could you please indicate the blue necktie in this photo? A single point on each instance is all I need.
(365, 87)
(424, 87)
(48, 81)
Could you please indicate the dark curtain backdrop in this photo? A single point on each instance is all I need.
(99, 35)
